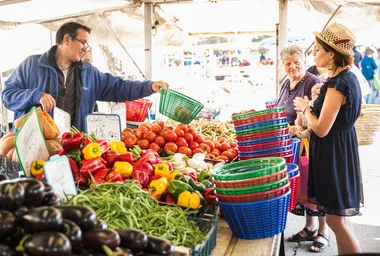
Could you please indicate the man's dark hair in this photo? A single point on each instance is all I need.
(71, 29)
(340, 60)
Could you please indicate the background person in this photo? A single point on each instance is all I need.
(368, 69)
(59, 78)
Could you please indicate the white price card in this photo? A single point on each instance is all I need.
(62, 119)
(30, 142)
(120, 110)
(59, 175)
(104, 126)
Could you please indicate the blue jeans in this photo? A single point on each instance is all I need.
(370, 98)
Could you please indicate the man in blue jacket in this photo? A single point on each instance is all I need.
(368, 69)
(58, 78)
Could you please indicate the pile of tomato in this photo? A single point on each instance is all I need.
(182, 139)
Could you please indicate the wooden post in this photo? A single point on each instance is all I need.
(148, 39)
(282, 39)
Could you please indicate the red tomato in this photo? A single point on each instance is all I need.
(171, 146)
(200, 139)
(224, 146)
(161, 124)
(143, 144)
(160, 141)
(198, 150)
(130, 141)
(204, 147)
(128, 130)
(233, 145)
(146, 126)
(155, 147)
(181, 142)
(170, 136)
(215, 152)
(162, 132)
(210, 156)
(210, 144)
(222, 158)
(140, 132)
(193, 145)
(217, 144)
(229, 154)
(192, 131)
(188, 137)
(182, 127)
(221, 140)
(156, 129)
(185, 150)
(179, 132)
(149, 136)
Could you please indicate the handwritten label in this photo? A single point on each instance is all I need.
(30, 143)
(62, 119)
(120, 110)
(103, 126)
(59, 176)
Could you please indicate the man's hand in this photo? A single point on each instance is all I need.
(156, 86)
(47, 102)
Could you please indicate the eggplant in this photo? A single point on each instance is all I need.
(20, 211)
(101, 225)
(34, 191)
(159, 246)
(94, 240)
(49, 190)
(14, 239)
(12, 195)
(51, 201)
(47, 244)
(3, 177)
(83, 216)
(72, 231)
(7, 224)
(42, 218)
(132, 239)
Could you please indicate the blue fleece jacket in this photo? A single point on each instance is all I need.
(368, 67)
(30, 80)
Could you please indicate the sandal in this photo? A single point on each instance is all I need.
(298, 238)
(321, 246)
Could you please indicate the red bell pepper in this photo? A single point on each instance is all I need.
(83, 182)
(41, 177)
(192, 175)
(110, 158)
(141, 177)
(154, 177)
(209, 195)
(145, 167)
(114, 177)
(169, 199)
(126, 157)
(100, 175)
(92, 166)
(103, 145)
(59, 152)
(85, 142)
(71, 140)
(150, 157)
(74, 169)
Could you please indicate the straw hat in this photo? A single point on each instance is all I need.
(338, 37)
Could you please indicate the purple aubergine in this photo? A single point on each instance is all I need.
(34, 191)
(94, 240)
(83, 216)
(7, 223)
(43, 218)
(12, 195)
(47, 244)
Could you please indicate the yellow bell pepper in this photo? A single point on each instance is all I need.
(37, 168)
(162, 169)
(118, 147)
(159, 186)
(173, 174)
(125, 169)
(189, 200)
(91, 151)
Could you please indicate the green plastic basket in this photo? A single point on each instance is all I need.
(262, 129)
(247, 169)
(257, 113)
(254, 189)
(178, 106)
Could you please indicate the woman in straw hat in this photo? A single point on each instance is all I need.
(334, 183)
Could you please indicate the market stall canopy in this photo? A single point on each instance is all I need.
(182, 18)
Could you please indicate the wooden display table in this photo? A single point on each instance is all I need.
(228, 245)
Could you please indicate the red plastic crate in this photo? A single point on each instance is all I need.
(137, 110)
(259, 118)
(253, 197)
(260, 135)
(287, 155)
(267, 145)
(294, 182)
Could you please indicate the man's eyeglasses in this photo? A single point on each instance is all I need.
(84, 43)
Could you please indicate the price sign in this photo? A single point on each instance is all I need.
(59, 176)
(120, 110)
(62, 119)
(30, 142)
(104, 126)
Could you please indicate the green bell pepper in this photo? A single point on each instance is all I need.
(182, 178)
(75, 154)
(176, 187)
(203, 175)
(198, 186)
(207, 183)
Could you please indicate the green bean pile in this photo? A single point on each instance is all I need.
(125, 205)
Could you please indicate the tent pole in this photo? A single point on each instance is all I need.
(282, 38)
(148, 39)
(122, 46)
